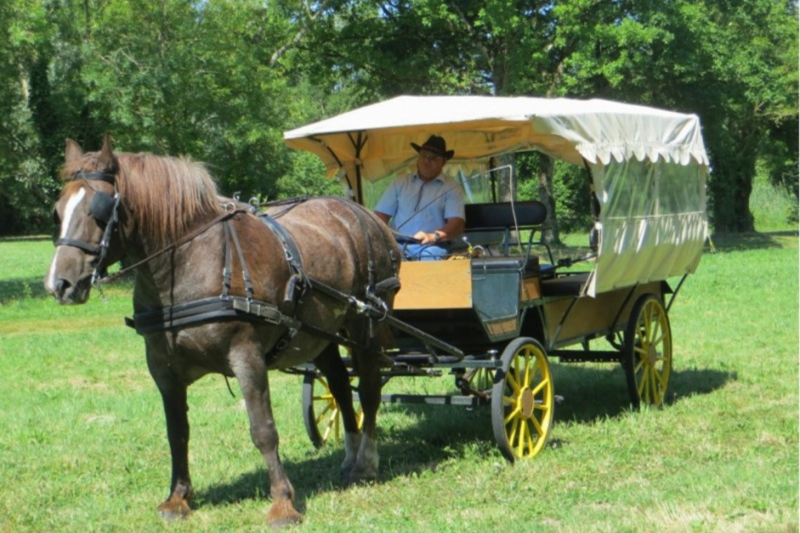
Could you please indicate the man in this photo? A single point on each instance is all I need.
(427, 205)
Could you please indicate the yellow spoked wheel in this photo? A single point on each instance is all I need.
(522, 400)
(321, 412)
(647, 352)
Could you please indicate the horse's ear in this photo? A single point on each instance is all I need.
(73, 151)
(106, 153)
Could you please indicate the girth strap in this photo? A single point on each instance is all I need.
(219, 308)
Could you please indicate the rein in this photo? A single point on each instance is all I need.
(186, 238)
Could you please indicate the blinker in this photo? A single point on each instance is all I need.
(102, 207)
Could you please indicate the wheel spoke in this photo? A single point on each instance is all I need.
(514, 413)
(656, 386)
(324, 412)
(514, 425)
(657, 330)
(642, 384)
(527, 373)
(523, 435)
(332, 422)
(530, 441)
(537, 426)
(511, 381)
(542, 384)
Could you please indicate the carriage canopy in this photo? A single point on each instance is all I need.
(648, 165)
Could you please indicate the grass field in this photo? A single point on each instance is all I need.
(83, 447)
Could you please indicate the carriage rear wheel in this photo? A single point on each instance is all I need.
(480, 379)
(647, 352)
(321, 412)
(522, 400)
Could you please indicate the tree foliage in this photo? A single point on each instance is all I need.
(220, 80)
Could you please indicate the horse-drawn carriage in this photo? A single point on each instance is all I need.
(227, 288)
(494, 312)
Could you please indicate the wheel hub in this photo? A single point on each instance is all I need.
(526, 402)
(652, 355)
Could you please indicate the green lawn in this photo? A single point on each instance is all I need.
(83, 444)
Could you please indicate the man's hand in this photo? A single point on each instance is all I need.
(427, 238)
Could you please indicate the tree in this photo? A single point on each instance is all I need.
(734, 63)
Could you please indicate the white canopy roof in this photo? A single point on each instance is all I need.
(373, 141)
(652, 220)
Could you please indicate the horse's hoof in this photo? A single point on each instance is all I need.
(284, 523)
(359, 477)
(282, 516)
(174, 510)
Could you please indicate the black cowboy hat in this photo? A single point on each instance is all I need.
(435, 144)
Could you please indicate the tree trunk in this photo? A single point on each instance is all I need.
(731, 183)
(545, 175)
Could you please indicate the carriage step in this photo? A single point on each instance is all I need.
(460, 401)
(590, 356)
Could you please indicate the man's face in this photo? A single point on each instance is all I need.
(429, 164)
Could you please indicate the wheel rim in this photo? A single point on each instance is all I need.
(525, 401)
(650, 356)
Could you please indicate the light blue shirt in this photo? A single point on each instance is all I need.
(415, 205)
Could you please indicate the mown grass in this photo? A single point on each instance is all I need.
(83, 446)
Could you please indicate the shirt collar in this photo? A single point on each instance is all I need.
(439, 178)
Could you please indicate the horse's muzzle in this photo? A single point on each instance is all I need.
(68, 293)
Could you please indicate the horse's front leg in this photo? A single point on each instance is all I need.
(254, 384)
(173, 395)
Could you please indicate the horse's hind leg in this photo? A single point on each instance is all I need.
(369, 393)
(330, 363)
(255, 389)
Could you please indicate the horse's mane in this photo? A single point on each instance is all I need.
(166, 195)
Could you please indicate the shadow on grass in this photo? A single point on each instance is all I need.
(437, 435)
(20, 289)
(33, 288)
(740, 242)
(446, 433)
(592, 393)
(27, 238)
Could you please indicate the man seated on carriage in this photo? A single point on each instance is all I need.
(426, 205)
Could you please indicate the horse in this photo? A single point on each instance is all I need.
(313, 275)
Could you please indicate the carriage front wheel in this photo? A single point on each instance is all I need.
(647, 352)
(522, 400)
(321, 412)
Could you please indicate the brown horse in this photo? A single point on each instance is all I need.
(291, 293)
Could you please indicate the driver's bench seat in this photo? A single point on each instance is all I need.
(491, 224)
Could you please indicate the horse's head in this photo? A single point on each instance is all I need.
(87, 215)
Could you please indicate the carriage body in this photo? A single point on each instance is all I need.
(508, 308)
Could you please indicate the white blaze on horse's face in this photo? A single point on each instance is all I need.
(67, 279)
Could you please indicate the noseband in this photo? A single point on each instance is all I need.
(105, 210)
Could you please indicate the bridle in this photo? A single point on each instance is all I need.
(105, 210)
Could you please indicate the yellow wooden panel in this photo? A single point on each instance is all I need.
(591, 316)
(435, 285)
(531, 289)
